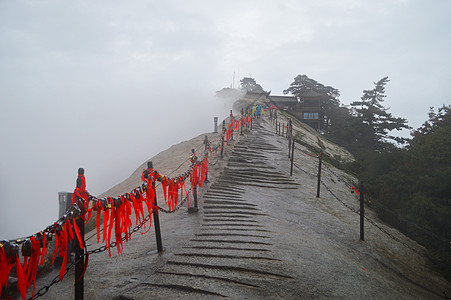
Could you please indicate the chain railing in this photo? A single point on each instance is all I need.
(65, 229)
(289, 135)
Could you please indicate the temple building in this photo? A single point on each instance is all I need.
(307, 107)
(288, 103)
(311, 111)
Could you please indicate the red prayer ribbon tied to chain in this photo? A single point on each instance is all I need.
(116, 213)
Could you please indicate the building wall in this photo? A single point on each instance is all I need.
(311, 112)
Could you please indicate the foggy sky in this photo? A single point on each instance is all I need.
(105, 85)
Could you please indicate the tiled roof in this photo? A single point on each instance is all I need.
(311, 93)
(284, 99)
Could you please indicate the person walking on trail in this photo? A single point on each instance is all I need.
(254, 108)
(259, 111)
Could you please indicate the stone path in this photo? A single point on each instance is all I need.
(261, 234)
(232, 254)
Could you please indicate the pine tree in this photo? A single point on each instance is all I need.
(249, 84)
(376, 121)
(330, 102)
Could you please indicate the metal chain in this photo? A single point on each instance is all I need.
(114, 244)
(341, 201)
(217, 160)
(175, 209)
(310, 174)
(339, 177)
(391, 235)
(425, 231)
(42, 291)
(370, 221)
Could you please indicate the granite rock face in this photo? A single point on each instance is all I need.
(260, 234)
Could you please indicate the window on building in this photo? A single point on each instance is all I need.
(311, 116)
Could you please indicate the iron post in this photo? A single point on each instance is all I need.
(319, 173)
(362, 212)
(156, 218)
(79, 266)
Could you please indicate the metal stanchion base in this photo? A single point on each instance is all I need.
(155, 251)
(193, 209)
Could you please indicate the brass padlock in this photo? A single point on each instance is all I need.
(26, 248)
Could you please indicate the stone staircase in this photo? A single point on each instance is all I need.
(232, 254)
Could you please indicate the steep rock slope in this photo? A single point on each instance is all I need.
(261, 233)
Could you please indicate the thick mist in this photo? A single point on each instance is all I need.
(50, 144)
(107, 85)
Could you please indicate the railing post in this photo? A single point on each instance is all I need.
(222, 143)
(289, 147)
(193, 209)
(206, 143)
(195, 187)
(222, 147)
(79, 266)
(290, 137)
(319, 173)
(283, 129)
(232, 123)
(156, 218)
(215, 125)
(252, 121)
(241, 126)
(362, 212)
(195, 197)
(292, 157)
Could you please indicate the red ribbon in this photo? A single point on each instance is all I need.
(194, 178)
(56, 246)
(173, 194)
(44, 249)
(32, 266)
(69, 229)
(127, 220)
(118, 228)
(5, 268)
(110, 230)
(149, 200)
(106, 216)
(99, 209)
(63, 239)
(21, 283)
(77, 233)
(164, 184)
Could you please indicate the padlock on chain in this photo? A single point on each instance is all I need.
(40, 238)
(26, 248)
